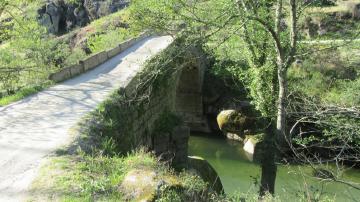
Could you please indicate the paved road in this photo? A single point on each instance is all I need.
(34, 127)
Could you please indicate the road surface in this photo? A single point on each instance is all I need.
(33, 128)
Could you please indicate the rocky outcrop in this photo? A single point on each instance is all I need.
(52, 16)
(60, 17)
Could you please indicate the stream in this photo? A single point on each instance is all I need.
(238, 174)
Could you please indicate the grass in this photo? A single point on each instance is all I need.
(22, 93)
(97, 177)
(79, 178)
(113, 29)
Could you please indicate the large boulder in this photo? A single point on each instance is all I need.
(230, 121)
(140, 185)
(234, 124)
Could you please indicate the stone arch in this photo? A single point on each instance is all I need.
(189, 88)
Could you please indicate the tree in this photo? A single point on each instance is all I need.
(27, 59)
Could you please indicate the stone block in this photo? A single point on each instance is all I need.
(125, 45)
(102, 57)
(76, 69)
(90, 63)
(122, 46)
(113, 52)
(131, 42)
(61, 75)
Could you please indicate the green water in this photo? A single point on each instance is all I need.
(238, 174)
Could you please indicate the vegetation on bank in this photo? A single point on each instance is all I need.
(98, 177)
(28, 59)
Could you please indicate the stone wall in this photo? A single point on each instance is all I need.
(146, 113)
(93, 61)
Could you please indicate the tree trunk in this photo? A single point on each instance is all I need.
(268, 166)
(282, 138)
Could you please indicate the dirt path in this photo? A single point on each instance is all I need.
(34, 127)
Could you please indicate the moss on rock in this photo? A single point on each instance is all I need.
(230, 121)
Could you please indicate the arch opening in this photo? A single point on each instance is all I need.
(189, 97)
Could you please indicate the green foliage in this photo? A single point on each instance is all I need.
(29, 58)
(326, 89)
(345, 93)
(111, 30)
(329, 76)
(76, 55)
(143, 14)
(260, 82)
(192, 188)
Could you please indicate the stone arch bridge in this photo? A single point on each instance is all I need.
(180, 93)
